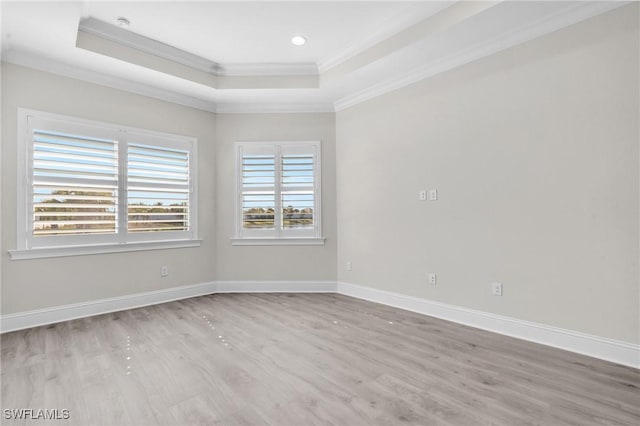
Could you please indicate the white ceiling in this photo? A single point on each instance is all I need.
(250, 32)
(361, 49)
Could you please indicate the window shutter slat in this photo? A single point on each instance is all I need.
(158, 189)
(258, 191)
(297, 191)
(83, 199)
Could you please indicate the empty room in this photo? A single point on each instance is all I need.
(302, 213)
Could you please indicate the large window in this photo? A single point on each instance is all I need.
(84, 183)
(278, 192)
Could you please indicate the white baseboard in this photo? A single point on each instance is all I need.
(594, 346)
(28, 319)
(586, 344)
(276, 286)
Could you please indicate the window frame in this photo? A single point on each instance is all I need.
(30, 246)
(279, 236)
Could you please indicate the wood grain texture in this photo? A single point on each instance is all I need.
(302, 359)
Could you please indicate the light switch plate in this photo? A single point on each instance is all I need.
(496, 289)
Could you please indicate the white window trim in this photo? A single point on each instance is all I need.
(64, 251)
(243, 238)
(91, 244)
(286, 241)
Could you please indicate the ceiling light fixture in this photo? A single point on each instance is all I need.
(123, 22)
(298, 40)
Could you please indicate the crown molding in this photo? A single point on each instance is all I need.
(268, 69)
(50, 66)
(391, 28)
(252, 108)
(54, 67)
(147, 45)
(154, 47)
(578, 12)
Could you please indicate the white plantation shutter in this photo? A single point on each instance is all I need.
(74, 181)
(258, 188)
(90, 183)
(158, 188)
(297, 187)
(278, 190)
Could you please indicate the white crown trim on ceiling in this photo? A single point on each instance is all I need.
(148, 45)
(288, 69)
(229, 108)
(392, 28)
(578, 12)
(574, 14)
(64, 70)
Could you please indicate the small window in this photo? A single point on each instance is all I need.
(278, 190)
(90, 183)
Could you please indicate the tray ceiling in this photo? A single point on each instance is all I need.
(236, 56)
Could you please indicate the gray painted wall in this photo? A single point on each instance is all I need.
(268, 263)
(534, 152)
(41, 283)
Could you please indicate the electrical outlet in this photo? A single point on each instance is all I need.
(433, 194)
(423, 195)
(496, 289)
(164, 271)
(433, 279)
(348, 266)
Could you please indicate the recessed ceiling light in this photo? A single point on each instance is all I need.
(123, 22)
(298, 40)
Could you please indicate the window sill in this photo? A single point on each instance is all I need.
(277, 241)
(43, 252)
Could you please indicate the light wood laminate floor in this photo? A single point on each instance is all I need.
(302, 359)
